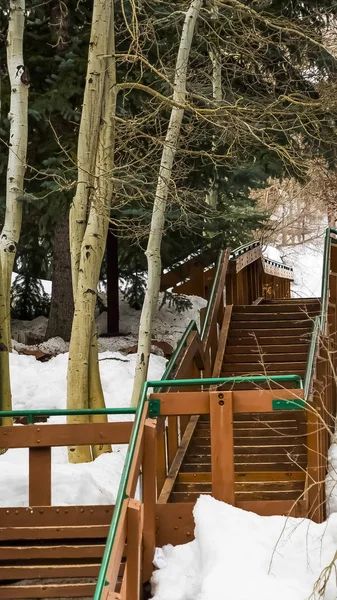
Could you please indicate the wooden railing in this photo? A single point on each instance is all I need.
(249, 276)
(320, 383)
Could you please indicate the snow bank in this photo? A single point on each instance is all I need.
(168, 324)
(43, 385)
(238, 555)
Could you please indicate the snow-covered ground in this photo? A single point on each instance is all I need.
(238, 555)
(43, 385)
(307, 262)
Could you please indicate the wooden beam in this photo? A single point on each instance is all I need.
(222, 446)
(54, 516)
(64, 590)
(177, 462)
(183, 403)
(261, 400)
(30, 436)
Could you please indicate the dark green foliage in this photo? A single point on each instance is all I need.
(28, 298)
(273, 119)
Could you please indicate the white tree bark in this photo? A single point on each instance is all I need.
(212, 197)
(159, 207)
(18, 117)
(89, 219)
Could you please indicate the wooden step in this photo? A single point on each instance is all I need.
(290, 301)
(271, 325)
(248, 333)
(293, 368)
(275, 308)
(272, 316)
(265, 357)
(264, 338)
(269, 349)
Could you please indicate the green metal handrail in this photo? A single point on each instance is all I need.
(65, 412)
(121, 495)
(212, 294)
(182, 342)
(320, 321)
(325, 278)
(311, 357)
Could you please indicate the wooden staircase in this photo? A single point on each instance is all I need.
(270, 454)
(260, 447)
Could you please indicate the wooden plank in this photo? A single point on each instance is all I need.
(253, 495)
(175, 523)
(298, 476)
(149, 497)
(264, 358)
(277, 326)
(60, 590)
(183, 403)
(257, 368)
(221, 416)
(117, 549)
(261, 400)
(53, 533)
(275, 316)
(267, 508)
(266, 339)
(48, 571)
(280, 465)
(135, 515)
(172, 439)
(160, 451)
(51, 552)
(49, 516)
(257, 459)
(253, 350)
(78, 434)
(264, 333)
(174, 470)
(39, 476)
(222, 341)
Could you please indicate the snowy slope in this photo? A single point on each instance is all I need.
(43, 385)
(238, 555)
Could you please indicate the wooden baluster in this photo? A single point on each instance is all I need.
(39, 476)
(135, 516)
(161, 453)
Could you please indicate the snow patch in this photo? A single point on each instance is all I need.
(238, 555)
(37, 385)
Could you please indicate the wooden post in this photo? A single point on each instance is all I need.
(134, 551)
(222, 446)
(40, 476)
(161, 453)
(149, 497)
(313, 444)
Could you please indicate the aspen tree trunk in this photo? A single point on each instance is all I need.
(159, 207)
(89, 218)
(212, 197)
(18, 117)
